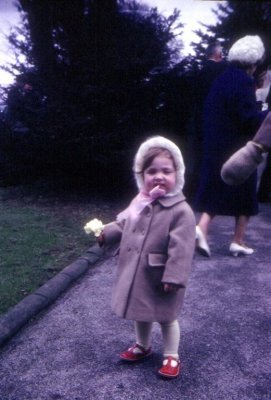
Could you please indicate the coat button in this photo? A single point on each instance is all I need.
(143, 231)
(129, 249)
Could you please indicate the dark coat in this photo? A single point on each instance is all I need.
(202, 84)
(158, 247)
(207, 75)
(231, 118)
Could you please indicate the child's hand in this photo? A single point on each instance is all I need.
(170, 287)
(100, 239)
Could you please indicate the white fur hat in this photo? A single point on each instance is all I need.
(162, 142)
(247, 50)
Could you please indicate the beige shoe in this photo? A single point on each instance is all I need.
(237, 249)
(201, 243)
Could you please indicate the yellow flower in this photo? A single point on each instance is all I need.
(94, 226)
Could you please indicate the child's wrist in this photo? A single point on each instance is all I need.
(101, 239)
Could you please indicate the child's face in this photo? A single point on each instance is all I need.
(160, 172)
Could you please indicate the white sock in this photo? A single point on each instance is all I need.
(171, 338)
(143, 333)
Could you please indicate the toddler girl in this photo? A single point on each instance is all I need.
(157, 239)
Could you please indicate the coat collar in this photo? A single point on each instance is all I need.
(171, 200)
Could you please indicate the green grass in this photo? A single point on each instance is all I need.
(39, 237)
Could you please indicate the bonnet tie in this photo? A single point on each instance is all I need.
(138, 204)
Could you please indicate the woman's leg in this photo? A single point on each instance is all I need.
(237, 247)
(201, 234)
(204, 222)
(240, 226)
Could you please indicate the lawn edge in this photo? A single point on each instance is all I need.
(17, 316)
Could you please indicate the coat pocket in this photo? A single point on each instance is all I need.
(157, 259)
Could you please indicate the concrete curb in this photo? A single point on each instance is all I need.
(21, 313)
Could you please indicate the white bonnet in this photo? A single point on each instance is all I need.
(247, 50)
(159, 141)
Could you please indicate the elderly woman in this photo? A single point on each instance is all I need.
(231, 118)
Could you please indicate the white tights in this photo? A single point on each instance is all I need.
(170, 333)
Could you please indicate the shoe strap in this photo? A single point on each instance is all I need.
(169, 359)
(139, 347)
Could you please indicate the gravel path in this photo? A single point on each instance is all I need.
(70, 351)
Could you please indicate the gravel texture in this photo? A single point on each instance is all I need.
(69, 351)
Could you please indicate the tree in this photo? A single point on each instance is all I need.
(100, 68)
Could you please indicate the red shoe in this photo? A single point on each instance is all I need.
(135, 353)
(171, 367)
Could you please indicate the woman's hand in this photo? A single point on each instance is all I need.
(170, 287)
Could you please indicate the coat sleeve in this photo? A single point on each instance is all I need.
(113, 232)
(248, 115)
(181, 247)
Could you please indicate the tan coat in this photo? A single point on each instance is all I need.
(156, 248)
